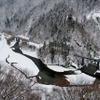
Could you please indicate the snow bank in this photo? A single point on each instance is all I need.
(80, 79)
(93, 15)
(31, 53)
(98, 71)
(22, 62)
(59, 68)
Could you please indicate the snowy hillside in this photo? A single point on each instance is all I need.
(23, 63)
(49, 49)
(49, 21)
(6, 51)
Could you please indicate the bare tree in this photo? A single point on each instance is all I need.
(15, 86)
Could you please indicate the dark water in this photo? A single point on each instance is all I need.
(45, 75)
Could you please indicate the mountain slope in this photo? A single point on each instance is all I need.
(64, 27)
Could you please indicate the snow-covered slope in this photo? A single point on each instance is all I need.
(80, 79)
(59, 68)
(40, 20)
(21, 61)
(24, 63)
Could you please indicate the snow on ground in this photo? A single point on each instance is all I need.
(94, 15)
(12, 43)
(97, 14)
(97, 72)
(59, 68)
(75, 65)
(23, 62)
(31, 53)
(81, 79)
(35, 44)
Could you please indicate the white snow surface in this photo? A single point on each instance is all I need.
(31, 53)
(98, 71)
(26, 64)
(22, 62)
(75, 65)
(59, 68)
(93, 15)
(80, 79)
